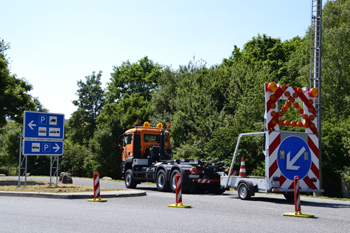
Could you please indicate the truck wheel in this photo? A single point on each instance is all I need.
(243, 191)
(162, 185)
(289, 196)
(173, 180)
(129, 181)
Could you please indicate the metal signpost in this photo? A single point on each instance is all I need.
(43, 134)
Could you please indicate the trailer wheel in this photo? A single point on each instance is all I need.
(129, 181)
(173, 180)
(162, 185)
(243, 192)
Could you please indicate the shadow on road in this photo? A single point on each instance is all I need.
(316, 202)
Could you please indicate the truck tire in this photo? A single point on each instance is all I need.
(173, 180)
(129, 181)
(162, 184)
(243, 191)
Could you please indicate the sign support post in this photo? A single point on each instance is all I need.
(19, 160)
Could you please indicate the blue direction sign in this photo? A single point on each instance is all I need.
(41, 125)
(32, 147)
(294, 158)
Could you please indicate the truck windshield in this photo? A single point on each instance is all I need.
(128, 139)
(153, 138)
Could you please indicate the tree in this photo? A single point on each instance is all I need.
(14, 97)
(77, 160)
(82, 124)
(130, 78)
(336, 59)
(114, 119)
(9, 143)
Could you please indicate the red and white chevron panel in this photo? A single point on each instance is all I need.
(292, 95)
(289, 96)
(274, 171)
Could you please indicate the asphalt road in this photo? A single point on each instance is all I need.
(209, 213)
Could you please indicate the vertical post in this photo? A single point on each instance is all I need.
(178, 193)
(297, 195)
(50, 171)
(97, 195)
(57, 170)
(315, 70)
(178, 182)
(97, 186)
(19, 159)
(25, 171)
(319, 125)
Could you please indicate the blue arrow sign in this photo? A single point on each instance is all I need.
(294, 158)
(41, 125)
(32, 147)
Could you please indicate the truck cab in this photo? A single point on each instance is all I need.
(139, 142)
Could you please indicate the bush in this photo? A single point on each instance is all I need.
(345, 175)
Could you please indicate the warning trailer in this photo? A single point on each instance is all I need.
(287, 153)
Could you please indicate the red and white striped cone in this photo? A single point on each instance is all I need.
(97, 195)
(297, 195)
(242, 171)
(178, 193)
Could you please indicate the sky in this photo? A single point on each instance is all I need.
(54, 44)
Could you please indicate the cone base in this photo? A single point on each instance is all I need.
(97, 200)
(298, 214)
(180, 205)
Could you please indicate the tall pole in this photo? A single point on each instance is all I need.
(315, 67)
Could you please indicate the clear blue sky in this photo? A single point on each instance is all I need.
(56, 43)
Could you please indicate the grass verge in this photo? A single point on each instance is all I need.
(9, 185)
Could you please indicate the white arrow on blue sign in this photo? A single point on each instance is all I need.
(41, 125)
(298, 159)
(32, 147)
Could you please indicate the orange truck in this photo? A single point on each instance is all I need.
(147, 157)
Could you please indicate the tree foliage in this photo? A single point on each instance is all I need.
(82, 124)
(9, 143)
(130, 78)
(14, 97)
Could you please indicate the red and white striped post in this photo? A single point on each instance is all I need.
(178, 193)
(297, 212)
(97, 185)
(297, 195)
(178, 182)
(97, 195)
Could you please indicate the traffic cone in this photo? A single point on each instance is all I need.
(242, 171)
